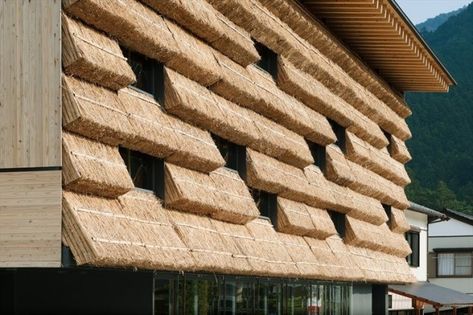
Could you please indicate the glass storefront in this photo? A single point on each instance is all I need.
(230, 295)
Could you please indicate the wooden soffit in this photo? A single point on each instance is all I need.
(380, 33)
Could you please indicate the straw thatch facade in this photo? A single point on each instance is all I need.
(317, 140)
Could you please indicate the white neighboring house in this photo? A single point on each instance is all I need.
(451, 252)
(420, 219)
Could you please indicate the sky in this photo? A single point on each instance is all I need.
(420, 10)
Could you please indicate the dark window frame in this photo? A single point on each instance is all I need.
(150, 78)
(267, 204)
(268, 59)
(340, 133)
(455, 275)
(339, 220)
(413, 239)
(154, 179)
(233, 154)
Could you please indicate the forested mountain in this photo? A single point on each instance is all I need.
(442, 124)
(432, 24)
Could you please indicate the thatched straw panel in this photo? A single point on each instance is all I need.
(333, 258)
(200, 18)
(208, 249)
(222, 194)
(158, 134)
(108, 233)
(138, 27)
(235, 83)
(94, 112)
(243, 247)
(271, 175)
(92, 56)
(234, 201)
(317, 35)
(375, 237)
(381, 267)
(195, 59)
(399, 151)
(373, 185)
(380, 162)
(299, 219)
(93, 167)
(268, 29)
(338, 170)
(271, 249)
(188, 190)
(288, 111)
(398, 222)
(197, 105)
(319, 190)
(302, 255)
(315, 95)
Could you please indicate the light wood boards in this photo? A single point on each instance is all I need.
(30, 219)
(30, 89)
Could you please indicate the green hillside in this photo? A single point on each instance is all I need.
(432, 24)
(442, 124)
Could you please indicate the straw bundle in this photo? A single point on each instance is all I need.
(366, 208)
(398, 222)
(267, 174)
(334, 261)
(315, 95)
(195, 59)
(373, 185)
(280, 143)
(337, 168)
(93, 56)
(243, 247)
(207, 23)
(375, 237)
(299, 219)
(94, 112)
(303, 257)
(233, 198)
(288, 111)
(375, 160)
(235, 83)
(399, 151)
(319, 188)
(319, 37)
(189, 190)
(93, 167)
(271, 249)
(207, 247)
(138, 27)
(102, 232)
(195, 104)
(276, 35)
(381, 267)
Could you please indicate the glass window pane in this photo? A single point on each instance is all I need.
(463, 264)
(446, 264)
(268, 298)
(298, 299)
(200, 296)
(163, 296)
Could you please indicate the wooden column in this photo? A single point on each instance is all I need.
(470, 310)
(454, 310)
(437, 310)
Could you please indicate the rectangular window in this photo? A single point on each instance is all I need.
(319, 154)
(147, 172)
(268, 61)
(454, 264)
(149, 74)
(387, 209)
(266, 203)
(339, 222)
(233, 154)
(340, 133)
(413, 238)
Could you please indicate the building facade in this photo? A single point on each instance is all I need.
(205, 157)
(451, 252)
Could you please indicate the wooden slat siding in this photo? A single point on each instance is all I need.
(30, 102)
(30, 219)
